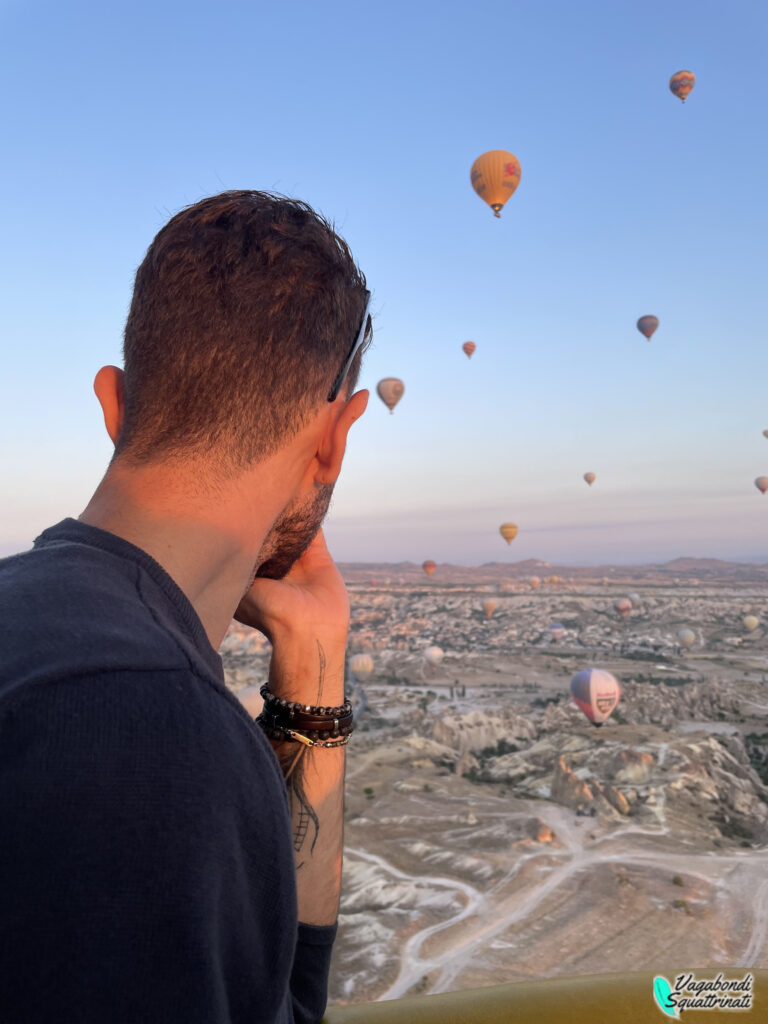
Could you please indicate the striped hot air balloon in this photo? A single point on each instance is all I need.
(468, 348)
(429, 566)
(681, 84)
(508, 531)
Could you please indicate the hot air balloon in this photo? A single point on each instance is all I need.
(508, 531)
(557, 630)
(361, 665)
(762, 484)
(433, 655)
(634, 598)
(489, 607)
(469, 347)
(765, 433)
(681, 83)
(623, 606)
(429, 566)
(686, 637)
(647, 325)
(495, 175)
(390, 390)
(750, 622)
(590, 478)
(534, 582)
(596, 692)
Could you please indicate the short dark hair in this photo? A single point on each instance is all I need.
(243, 311)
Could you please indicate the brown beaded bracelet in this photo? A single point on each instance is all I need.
(316, 728)
(292, 735)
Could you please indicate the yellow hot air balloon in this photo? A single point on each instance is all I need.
(390, 390)
(489, 607)
(750, 622)
(495, 175)
(508, 531)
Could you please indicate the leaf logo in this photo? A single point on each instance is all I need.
(661, 993)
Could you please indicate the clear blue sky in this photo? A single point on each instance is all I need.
(116, 115)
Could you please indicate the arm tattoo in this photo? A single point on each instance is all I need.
(292, 766)
(321, 680)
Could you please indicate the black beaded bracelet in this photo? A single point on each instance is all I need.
(313, 709)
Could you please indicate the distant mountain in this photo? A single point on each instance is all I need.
(685, 570)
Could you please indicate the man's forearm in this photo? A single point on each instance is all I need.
(310, 669)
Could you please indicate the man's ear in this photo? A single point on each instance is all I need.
(330, 453)
(108, 386)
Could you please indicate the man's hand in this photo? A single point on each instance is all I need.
(310, 599)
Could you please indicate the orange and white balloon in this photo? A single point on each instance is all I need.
(495, 175)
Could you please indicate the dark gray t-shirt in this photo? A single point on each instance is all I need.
(146, 862)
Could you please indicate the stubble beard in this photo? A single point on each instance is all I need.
(291, 534)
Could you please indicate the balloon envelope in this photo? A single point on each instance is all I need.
(686, 637)
(590, 478)
(750, 622)
(489, 607)
(495, 175)
(508, 531)
(469, 347)
(429, 567)
(534, 582)
(390, 390)
(433, 655)
(762, 484)
(647, 325)
(596, 693)
(623, 606)
(361, 665)
(557, 629)
(681, 84)
(765, 433)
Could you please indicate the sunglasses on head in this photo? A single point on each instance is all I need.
(333, 393)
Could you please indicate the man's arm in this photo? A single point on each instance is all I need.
(310, 669)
